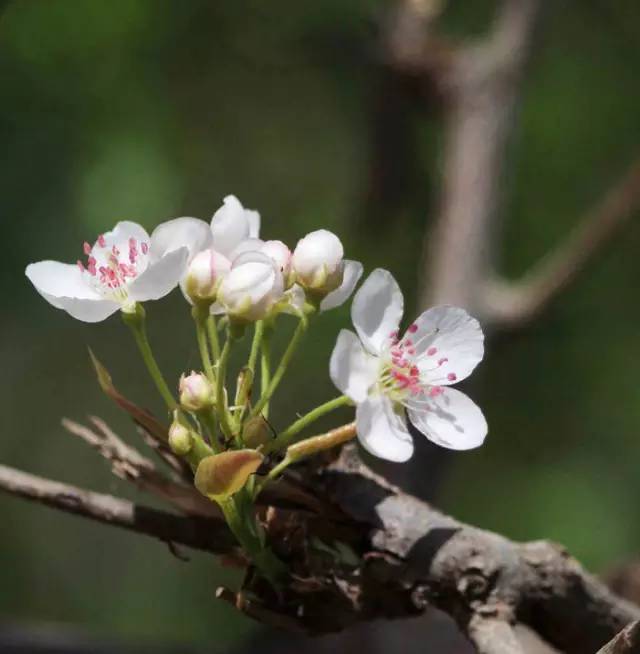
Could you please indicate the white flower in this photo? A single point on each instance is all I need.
(319, 267)
(121, 268)
(252, 287)
(386, 375)
(231, 227)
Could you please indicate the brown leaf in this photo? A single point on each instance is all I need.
(140, 415)
(222, 475)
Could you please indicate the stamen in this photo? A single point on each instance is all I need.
(413, 328)
(86, 248)
(431, 351)
(101, 241)
(80, 265)
(452, 376)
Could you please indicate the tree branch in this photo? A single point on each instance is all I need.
(483, 89)
(195, 532)
(513, 304)
(377, 552)
(626, 642)
(493, 636)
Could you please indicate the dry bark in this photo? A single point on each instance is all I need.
(373, 551)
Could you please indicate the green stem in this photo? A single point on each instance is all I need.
(284, 438)
(214, 341)
(247, 380)
(200, 316)
(136, 322)
(208, 418)
(221, 401)
(281, 369)
(268, 564)
(265, 366)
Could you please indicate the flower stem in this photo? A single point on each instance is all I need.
(265, 365)
(136, 322)
(310, 446)
(221, 401)
(284, 438)
(282, 367)
(214, 341)
(247, 380)
(268, 564)
(200, 316)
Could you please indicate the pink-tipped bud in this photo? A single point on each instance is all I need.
(196, 392)
(204, 275)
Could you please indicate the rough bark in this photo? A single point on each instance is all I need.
(374, 552)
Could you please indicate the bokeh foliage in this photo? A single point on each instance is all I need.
(150, 109)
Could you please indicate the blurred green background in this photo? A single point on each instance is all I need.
(150, 109)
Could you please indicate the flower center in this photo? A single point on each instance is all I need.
(400, 376)
(111, 266)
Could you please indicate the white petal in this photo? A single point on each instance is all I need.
(352, 274)
(377, 310)
(192, 233)
(352, 369)
(382, 431)
(254, 223)
(230, 226)
(94, 310)
(248, 245)
(451, 420)
(449, 344)
(123, 231)
(161, 277)
(53, 279)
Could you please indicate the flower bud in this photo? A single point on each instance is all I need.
(224, 474)
(180, 439)
(256, 432)
(204, 275)
(251, 288)
(196, 392)
(318, 261)
(281, 256)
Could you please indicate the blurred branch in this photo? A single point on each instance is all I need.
(626, 642)
(393, 555)
(196, 532)
(482, 82)
(513, 304)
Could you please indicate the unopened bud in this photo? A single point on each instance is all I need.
(251, 288)
(196, 392)
(318, 261)
(281, 256)
(256, 432)
(204, 275)
(180, 439)
(224, 474)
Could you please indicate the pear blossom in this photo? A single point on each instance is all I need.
(231, 226)
(319, 266)
(387, 375)
(253, 286)
(121, 268)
